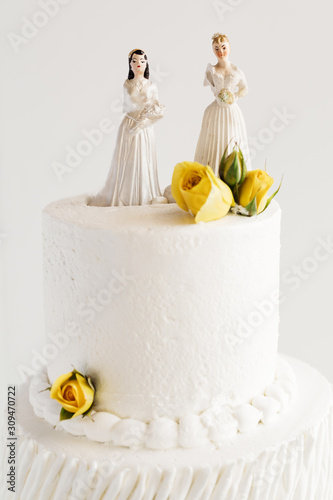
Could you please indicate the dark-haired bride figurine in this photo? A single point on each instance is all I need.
(132, 179)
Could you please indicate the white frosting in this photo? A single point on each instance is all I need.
(190, 431)
(289, 458)
(170, 317)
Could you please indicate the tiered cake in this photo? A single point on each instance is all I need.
(165, 381)
(176, 323)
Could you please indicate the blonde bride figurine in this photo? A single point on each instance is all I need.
(132, 179)
(223, 122)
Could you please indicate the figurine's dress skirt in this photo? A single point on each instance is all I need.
(133, 177)
(221, 125)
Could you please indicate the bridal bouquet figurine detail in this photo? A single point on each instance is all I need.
(133, 178)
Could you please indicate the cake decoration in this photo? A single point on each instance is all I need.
(75, 393)
(215, 424)
(223, 120)
(197, 190)
(133, 177)
(253, 191)
(249, 188)
(226, 96)
(233, 168)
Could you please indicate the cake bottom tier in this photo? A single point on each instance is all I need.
(290, 459)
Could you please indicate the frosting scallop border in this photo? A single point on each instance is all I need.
(190, 431)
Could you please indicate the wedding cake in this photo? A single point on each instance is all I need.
(176, 323)
(162, 316)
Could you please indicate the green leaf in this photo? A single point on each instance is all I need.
(222, 161)
(273, 195)
(47, 389)
(236, 193)
(76, 372)
(230, 177)
(65, 415)
(90, 383)
(88, 412)
(244, 167)
(252, 207)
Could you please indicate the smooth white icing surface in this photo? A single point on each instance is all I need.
(163, 309)
(289, 459)
(214, 425)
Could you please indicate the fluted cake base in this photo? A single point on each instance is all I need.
(289, 459)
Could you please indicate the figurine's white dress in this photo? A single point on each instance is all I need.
(132, 179)
(222, 122)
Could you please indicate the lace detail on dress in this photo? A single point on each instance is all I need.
(234, 82)
(224, 77)
(139, 84)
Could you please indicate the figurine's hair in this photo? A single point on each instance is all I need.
(130, 56)
(219, 38)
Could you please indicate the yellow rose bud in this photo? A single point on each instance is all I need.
(196, 189)
(74, 392)
(255, 185)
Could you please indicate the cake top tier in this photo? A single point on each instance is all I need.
(168, 339)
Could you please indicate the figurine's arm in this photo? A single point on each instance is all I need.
(242, 87)
(153, 109)
(126, 99)
(151, 113)
(209, 81)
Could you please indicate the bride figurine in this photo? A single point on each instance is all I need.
(223, 122)
(132, 179)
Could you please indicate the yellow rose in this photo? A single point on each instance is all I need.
(196, 189)
(74, 392)
(255, 185)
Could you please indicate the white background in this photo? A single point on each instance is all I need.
(68, 76)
